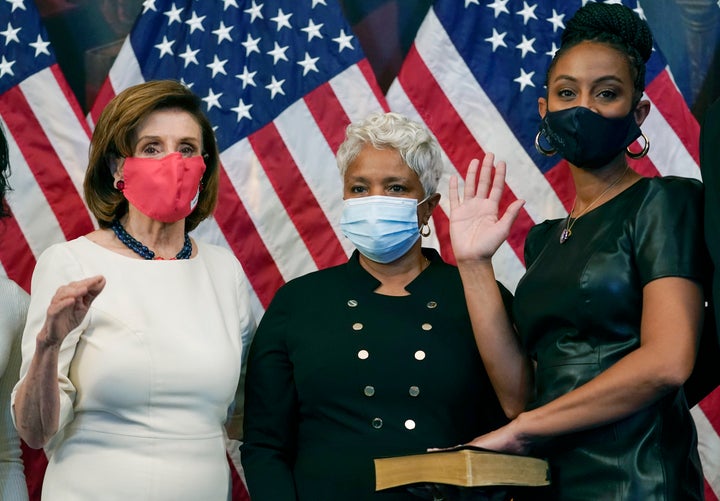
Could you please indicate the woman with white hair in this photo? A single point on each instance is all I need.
(375, 357)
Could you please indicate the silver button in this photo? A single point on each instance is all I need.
(426, 327)
(352, 303)
(419, 355)
(414, 391)
(363, 354)
(369, 391)
(357, 326)
(431, 304)
(410, 424)
(377, 423)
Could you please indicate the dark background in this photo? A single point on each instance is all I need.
(87, 34)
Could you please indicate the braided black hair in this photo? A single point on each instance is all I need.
(4, 173)
(615, 25)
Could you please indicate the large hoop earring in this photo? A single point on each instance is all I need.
(644, 151)
(425, 230)
(549, 152)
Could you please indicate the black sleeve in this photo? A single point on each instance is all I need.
(668, 237)
(270, 426)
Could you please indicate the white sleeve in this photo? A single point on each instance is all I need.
(55, 267)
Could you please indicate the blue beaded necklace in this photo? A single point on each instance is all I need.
(141, 249)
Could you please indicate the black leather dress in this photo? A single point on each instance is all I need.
(578, 311)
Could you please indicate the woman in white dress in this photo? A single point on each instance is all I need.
(13, 308)
(136, 333)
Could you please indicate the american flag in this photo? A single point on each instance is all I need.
(48, 139)
(280, 80)
(473, 76)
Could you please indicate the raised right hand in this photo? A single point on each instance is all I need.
(68, 308)
(476, 227)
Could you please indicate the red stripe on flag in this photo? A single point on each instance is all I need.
(16, 256)
(710, 406)
(561, 181)
(105, 94)
(70, 97)
(35, 463)
(451, 132)
(442, 229)
(520, 227)
(246, 243)
(642, 166)
(329, 114)
(709, 493)
(306, 214)
(48, 170)
(369, 75)
(667, 99)
(442, 119)
(239, 491)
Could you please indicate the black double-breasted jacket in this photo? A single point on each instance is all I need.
(339, 375)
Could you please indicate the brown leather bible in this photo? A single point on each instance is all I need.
(463, 466)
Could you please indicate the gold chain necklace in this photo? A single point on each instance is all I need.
(570, 221)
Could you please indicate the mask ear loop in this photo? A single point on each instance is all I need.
(425, 199)
(642, 153)
(545, 152)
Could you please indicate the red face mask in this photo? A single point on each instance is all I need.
(165, 189)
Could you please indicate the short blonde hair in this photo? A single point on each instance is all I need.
(114, 138)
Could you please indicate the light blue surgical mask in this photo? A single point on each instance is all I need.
(382, 228)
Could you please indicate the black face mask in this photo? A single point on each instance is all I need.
(587, 139)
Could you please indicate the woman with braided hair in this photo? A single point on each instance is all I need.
(608, 314)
